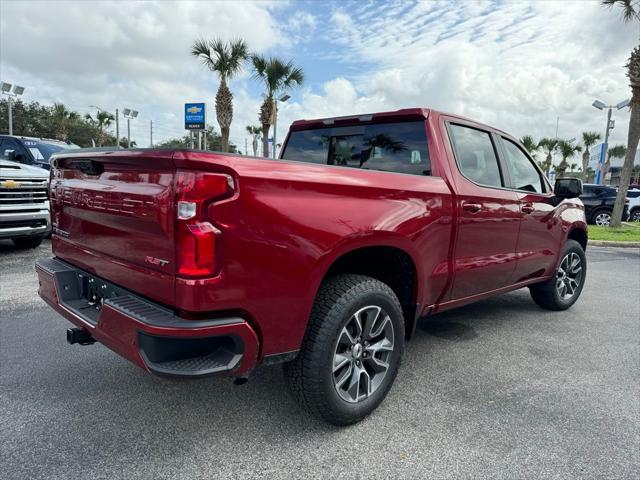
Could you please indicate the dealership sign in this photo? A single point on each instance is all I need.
(194, 116)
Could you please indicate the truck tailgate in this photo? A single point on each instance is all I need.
(113, 215)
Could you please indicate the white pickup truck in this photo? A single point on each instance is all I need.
(24, 203)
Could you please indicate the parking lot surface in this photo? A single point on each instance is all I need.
(498, 389)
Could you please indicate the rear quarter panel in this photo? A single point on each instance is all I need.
(292, 220)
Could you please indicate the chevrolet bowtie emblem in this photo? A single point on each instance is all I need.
(10, 184)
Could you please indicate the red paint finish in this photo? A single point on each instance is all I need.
(285, 223)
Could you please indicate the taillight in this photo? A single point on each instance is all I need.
(197, 239)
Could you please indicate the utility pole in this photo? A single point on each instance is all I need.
(151, 133)
(10, 117)
(205, 139)
(128, 132)
(117, 129)
(246, 146)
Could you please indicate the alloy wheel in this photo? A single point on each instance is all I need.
(569, 276)
(603, 219)
(362, 354)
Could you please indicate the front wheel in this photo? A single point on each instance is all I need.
(351, 352)
(563, 290)
(602, 218)
(28, 242)
(635, 215)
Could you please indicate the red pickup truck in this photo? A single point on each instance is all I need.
(191, 263)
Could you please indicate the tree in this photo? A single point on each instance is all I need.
(125, 144)
(573, 167)
(589, 139)
(255, 136)
(630, 13)
(102, 121)
(62, 119)
(529, 144)
(614, 152)
(549, 145)
(567, 150)
(276, 75)
(226, 60)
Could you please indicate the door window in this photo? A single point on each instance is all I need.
(524, 176)
(476, 155)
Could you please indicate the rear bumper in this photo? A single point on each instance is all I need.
(146, 333)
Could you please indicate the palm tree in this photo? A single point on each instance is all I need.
(276, 75)
(226, 60)
(102, 121)
(61, 120)
(255, 136)
(573, 167)
(589, 139)
(567, 150)
(630, 13)
(614, 152)
(549, 145)
(529, 144)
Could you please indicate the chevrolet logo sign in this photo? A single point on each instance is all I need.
(10, 184)
(194, 109)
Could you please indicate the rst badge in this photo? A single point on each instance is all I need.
(156, 261)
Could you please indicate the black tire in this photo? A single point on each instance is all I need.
(547, 294)
(634, 215)
(311, 375)
(27, 242)
(598, 212)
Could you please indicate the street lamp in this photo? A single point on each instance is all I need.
(610, 124)
(283, 98)
(117, 115)
(129, 115)
(11, 91)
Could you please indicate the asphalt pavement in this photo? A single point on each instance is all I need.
(499, 389)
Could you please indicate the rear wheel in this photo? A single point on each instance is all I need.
(27, 242)
(635, 215)
(602, 217)
(351, 352)
(563, 290)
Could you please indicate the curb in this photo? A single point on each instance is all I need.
(609, 243)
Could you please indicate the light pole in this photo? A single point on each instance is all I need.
(129, 115)
(11, 91)
(610, 124)
(283, 98)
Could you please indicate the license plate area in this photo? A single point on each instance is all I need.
(84, 294)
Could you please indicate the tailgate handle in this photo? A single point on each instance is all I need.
(88, 167)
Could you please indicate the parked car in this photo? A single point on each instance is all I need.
(31, 150)
(191, 263)
(24, 204)
(598, 203)
(634, 204)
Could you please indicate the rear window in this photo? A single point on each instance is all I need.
(389, 147)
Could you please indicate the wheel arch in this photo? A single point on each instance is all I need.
(388, 262)
(579, 234)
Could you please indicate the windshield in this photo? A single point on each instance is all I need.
(42, 151)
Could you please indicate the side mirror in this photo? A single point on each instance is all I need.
(568, 187)
(10, 155)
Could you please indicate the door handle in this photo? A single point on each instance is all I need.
(471, 207)
(527, 208)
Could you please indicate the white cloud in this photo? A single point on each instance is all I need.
(515, 65)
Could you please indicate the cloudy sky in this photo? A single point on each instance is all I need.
(515, 65)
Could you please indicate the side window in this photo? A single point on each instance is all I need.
(523, 174)
(476, 156)
(11, 144)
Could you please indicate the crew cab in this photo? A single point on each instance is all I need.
(192, 263)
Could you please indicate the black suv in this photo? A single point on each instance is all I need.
(598, 203)
(30, 150)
